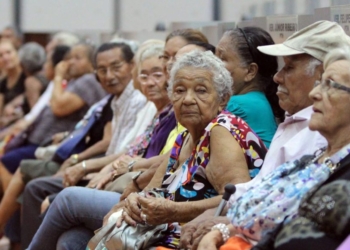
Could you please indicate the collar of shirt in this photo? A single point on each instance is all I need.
(118, 101)
(302, 115)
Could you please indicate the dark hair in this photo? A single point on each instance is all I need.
(190, 35)
(128, 55)
(58, 54)
(245, 42)
(205, 46)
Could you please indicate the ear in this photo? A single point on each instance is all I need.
(223, 102)
(253, 69)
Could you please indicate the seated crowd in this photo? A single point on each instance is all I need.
(133, 147)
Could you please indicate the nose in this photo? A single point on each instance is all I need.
(170, 63)
(278, 78)
(315, 93)
(109, 74)
(189, 97)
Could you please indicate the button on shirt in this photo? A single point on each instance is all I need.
(125, 107)
(292, 140)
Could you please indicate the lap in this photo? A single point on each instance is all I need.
(32, 169)
(12, 159)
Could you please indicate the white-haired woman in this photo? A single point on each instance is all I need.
(217, 148)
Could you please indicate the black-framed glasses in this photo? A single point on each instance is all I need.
(328, 84)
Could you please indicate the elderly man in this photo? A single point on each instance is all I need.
(114, 62)
(303, 54)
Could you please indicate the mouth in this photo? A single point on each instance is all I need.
(316, 110)
(282, 90)
(111, 84)
(188, 112)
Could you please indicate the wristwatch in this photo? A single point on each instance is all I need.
(134, 180)
(74, 159)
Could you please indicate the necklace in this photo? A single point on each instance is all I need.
(327, 161)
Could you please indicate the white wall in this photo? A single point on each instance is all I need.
(137, 15)
(5, 13)
(76, 15)
(235, 10)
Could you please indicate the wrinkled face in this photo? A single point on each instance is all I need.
(194, 98)
(295, 81)
(79, 63)
(331, 106)
(113, 72)
(226, 52)
(48, 67)
(153, 79)
(170, 50)
(8, 56)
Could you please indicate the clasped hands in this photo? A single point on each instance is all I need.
(142, 208)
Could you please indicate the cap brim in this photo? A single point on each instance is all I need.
(279, 50)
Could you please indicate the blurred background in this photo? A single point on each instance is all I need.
(100, 20)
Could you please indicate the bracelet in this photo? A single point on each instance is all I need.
(223, 229)
(131, 166)
(83, 164)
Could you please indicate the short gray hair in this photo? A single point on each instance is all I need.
(66, 38)
(336, 55)
(311, 66)
(151, 51)
(32, 57)
(204, 60)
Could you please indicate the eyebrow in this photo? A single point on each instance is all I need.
(111, 64)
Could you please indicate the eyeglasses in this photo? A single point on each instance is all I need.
(156, 77)
(328, 83)
(115, 68)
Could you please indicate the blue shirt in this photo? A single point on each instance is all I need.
(254, 108)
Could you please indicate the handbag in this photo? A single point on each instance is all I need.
(75, 141)
(127, 237)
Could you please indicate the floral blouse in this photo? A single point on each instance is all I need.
(189, 182)
(277, 197)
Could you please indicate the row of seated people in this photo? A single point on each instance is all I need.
(22, 78)
(175, 135)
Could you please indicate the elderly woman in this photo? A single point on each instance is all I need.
(316, 224)
(32, 56)
(216, 149)
(254, 98)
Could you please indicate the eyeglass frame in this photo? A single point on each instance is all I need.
(116, 69)
(332, 84)
(148, 75)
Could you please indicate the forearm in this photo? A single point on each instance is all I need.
(95, 165)
(57, 92)
(96, 149)
(187, 211)
(144, 164)
(149, 180)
